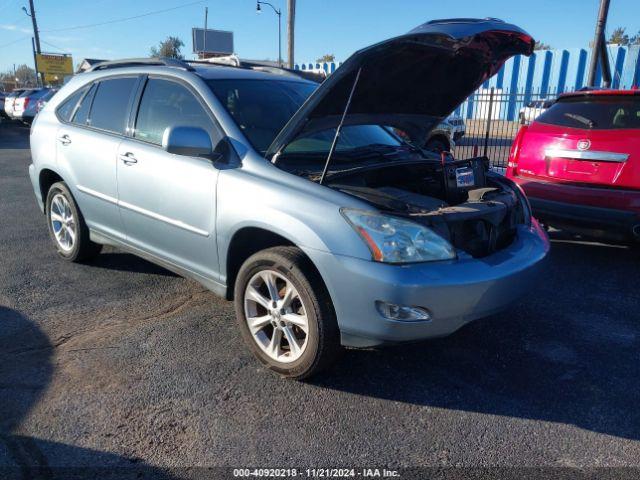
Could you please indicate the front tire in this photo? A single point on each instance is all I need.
(67, 227)
(285, 314)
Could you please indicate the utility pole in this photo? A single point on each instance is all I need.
(599, 48)
(36, 34)
(291, 21)
(204, 39)
(35, 60)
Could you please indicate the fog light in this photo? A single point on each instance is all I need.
(403, 313)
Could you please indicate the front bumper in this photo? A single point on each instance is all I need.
(455, 292)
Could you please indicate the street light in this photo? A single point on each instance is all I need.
(279, 13)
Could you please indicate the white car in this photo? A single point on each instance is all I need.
(28, 104)
(24, 106)
(533, 109)
(459, 128)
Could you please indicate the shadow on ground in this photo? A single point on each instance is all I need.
(126, 262)
(25, 372)
(537, 361)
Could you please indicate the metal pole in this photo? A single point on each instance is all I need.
(339, 128)
(486, 135)
(35, 59)
(36, 34)
(597, 42)
(279, 38)
(291, 21)
(604, 60)
(204, 39)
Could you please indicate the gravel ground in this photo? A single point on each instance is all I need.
(118, 362)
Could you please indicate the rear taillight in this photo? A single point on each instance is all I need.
(514, 153)
(26, 103)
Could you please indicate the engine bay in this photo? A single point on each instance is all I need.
(472, 208)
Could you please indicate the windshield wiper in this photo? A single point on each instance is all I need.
(375, 149)
(580, 119)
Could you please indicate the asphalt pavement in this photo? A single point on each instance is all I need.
(118, 362)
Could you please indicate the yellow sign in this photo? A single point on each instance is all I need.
(54, 65)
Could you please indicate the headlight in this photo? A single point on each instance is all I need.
(394, 240)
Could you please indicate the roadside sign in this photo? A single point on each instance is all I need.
(214, 41)
(53, 65)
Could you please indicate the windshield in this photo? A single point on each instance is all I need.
(261, 108)
(352, 137)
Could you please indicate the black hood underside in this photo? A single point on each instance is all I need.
(410, 82)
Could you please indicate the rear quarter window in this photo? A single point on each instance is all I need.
(598, 112)
(66, 109)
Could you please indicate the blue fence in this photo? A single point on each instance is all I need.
(543, 74)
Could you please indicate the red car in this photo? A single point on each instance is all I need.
(579, 163)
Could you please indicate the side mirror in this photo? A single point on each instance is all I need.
(189, 141)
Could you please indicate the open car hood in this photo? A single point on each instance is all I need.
(410, 82)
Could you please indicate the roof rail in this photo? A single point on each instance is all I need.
(235, 62)
(138, 62)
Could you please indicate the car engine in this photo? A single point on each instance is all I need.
(475, 210)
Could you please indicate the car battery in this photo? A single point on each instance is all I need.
(460, 176)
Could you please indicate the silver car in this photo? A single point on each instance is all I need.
(298, 202)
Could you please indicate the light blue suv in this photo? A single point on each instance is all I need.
(315, 208)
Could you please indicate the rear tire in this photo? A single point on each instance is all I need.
(67, 227)
(285, 314)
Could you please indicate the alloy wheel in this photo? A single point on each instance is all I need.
(63, 222)
(276, 316)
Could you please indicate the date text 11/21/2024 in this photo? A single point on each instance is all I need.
(315, 473)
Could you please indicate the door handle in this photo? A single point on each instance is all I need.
(64, 139)
(128, 158)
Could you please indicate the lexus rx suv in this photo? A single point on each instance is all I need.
(299, 202)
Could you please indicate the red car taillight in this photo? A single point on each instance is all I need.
(26, 103)
(514, 153)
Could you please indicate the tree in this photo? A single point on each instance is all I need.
(541, 46)
(620, 37)
(25, 74)
(170, 47)
(327, 58)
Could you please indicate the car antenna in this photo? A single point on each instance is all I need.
(339, 128)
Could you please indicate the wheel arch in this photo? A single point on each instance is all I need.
(46, 178)
(249, 240)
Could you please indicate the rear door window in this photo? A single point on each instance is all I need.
(599, 112)
(110, 108)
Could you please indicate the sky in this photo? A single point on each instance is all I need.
(339, 27)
